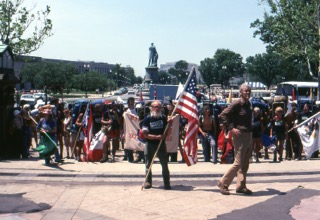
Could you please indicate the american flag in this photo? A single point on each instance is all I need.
(155, 92)
(87, 123)
(187, 107)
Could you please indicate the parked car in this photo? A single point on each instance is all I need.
(130, 91)
(118, 92)
(42, 96)
(29, 99)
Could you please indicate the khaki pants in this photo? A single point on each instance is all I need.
(242, 154)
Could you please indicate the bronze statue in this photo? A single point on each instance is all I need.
(153, 56)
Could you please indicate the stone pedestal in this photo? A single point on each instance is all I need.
(151, 76)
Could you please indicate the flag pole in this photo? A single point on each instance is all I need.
(165, 131)
(298, 125)
(43, 131)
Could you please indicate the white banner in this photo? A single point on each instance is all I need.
(131, 127)
(309, 134)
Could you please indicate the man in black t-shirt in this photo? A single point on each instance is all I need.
(153, 128)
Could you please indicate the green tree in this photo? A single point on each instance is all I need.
(219, 69)
(56, 76)
(264, 66)
(16, 23)
(180, 70)
(291, 29)
(164, 77)
(139, 79)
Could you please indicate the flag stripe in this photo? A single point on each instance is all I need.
(187, 107)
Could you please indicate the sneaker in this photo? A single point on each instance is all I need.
(147, 185)
(223, 188)
(244, 191)
(124, 158)
(167, 187)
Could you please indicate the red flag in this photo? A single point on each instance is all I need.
(187, 107)
(293, 94)
(225, 145)
(155, 92)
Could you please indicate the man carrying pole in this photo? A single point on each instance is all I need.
(154, 131)
(155, 128)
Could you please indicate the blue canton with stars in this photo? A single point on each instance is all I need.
(191, 86)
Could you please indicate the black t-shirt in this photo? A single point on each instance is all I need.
(278, 126)
(155, 126)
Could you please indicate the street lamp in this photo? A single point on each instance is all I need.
(86, 70)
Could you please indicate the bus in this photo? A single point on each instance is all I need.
(302, 92)
(297, 90)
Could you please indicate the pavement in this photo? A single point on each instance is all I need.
(81, 190)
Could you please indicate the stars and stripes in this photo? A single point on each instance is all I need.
(187, 107)
(155, 92)
(87, 123)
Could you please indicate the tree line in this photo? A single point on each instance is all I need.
(289, 29)
(61, 77)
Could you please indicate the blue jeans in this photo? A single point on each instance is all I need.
(208, 145)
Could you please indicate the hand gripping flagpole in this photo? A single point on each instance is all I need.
(304, 121)
(44, 131)
(165, 132)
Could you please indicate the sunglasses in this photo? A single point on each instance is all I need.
(155, 106)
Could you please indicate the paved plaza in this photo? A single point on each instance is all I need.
(80, 190)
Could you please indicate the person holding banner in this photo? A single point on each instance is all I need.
(153, 128)
(128, 154)
(303, 116)
(237, 118)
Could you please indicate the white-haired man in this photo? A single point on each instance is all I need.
(153, 128)
(237, 118)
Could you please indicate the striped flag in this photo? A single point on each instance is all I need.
(187, 107)
(293, 94)
(87, 123)
(155, 92)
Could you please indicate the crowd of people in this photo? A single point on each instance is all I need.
(245, 122)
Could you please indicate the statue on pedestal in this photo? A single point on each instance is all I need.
(153, 56)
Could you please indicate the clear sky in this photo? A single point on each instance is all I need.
(121, 31)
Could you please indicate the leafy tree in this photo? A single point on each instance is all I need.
(164, 77)
(265, 66)
(56, 76)
(17, 21)
(139, 79)
(291, 29)
(208, 71)
(219, 69)
(180, 70)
